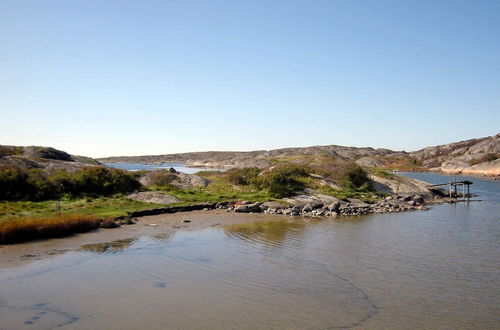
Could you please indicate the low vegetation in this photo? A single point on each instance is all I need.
(486, 158)
(36, 184)
(23, 229)
(114, 206)
(283, 181)
(355, 177)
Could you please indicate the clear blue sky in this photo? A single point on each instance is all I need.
(103, 78)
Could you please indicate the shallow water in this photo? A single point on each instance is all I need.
(438, 269)
(136, 167)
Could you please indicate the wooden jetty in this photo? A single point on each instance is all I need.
(453, 187)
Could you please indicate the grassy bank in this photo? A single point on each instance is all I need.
(101, 207)
(17, 230)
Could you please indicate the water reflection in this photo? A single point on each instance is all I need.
(273, 234)
(162, 237)
(109, 247)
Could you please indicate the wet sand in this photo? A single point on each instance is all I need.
(15, 255)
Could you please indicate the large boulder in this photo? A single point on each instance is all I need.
(334, 207)
(255, 207)
(190, 180)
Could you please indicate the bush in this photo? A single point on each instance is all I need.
(332, 168)
(486, 158)
(283, 181)
(36, 184)
(242, 176)
(13, 182)
(355, 177)
(160, 178)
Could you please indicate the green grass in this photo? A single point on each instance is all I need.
(102, 207)
(364, 195)
(219, 190)
(384, 173)
(214, 193)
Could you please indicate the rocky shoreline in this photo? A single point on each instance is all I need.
(349, 207)
(312, 209)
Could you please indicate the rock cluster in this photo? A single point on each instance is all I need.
(348, 206)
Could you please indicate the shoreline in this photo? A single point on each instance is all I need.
(20, 254)
(198, 217)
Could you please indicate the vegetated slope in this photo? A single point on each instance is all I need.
(475, 156)
(43, 158)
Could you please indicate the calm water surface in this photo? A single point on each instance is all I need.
(136, 167)
(438, 269)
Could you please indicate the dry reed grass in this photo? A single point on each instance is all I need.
(17, 230)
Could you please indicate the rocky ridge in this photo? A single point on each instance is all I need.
(46, 158)
(475, 156)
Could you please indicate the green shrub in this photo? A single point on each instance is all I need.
(332, 168)
(283, 181)
(355, 177)
(35, 184)
(160, 178)
(13, 183)
(486, 158)
(242, 176)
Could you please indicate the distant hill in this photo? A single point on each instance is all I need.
(475, 156)
(43, 158)
(260, 158)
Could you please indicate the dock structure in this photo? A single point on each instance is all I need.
(453, 187)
